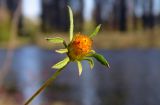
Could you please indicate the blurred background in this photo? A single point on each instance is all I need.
(129, 39)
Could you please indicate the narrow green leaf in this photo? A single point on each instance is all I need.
(79, 67)
(90, 61)
(61, 64)
(95, 31)
(55, 40)
(62, 51)
(71, 23)
(101, 59)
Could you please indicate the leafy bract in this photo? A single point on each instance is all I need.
(95, 31)
(61, 64)
(61, 51)
(101, 59)
(90, 61)
(55, 40)
(71, 23)
(79, 67)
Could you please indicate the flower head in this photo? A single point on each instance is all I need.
(78, 49)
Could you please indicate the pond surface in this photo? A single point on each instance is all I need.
(133, 78)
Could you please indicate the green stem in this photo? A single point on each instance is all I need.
(47, 83)
(65, 44)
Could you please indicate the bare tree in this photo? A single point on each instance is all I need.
(135, 19)
(148, 17)
(97, 12)
(78, 15)
(55, 15)
(122, 15)
(115, 15)
(12, 43)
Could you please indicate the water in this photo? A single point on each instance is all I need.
(133, 78)
(89, 94)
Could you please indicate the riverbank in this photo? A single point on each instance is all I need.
(105, 39)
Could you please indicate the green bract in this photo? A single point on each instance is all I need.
(90, 61)
(88, 58)
(71, 23)
(61, 51)
(101, 59)
(95, 31)
(55, 40)
(79, 67)
(61, 64)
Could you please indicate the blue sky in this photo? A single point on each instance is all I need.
(32, 8)
(156, 7)
(88, 7)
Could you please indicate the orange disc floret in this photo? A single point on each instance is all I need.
(79, 47)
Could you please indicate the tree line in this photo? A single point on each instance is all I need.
(113, 14)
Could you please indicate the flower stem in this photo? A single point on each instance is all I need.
(47, 83)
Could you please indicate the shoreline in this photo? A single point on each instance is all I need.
(105, 40)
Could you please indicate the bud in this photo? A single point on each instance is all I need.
(79, 47)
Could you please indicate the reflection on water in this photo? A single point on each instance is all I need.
(88, 79)
(133, 78)
(28, 67)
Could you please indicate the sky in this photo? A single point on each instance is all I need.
(88, 7)
(156, 7)
(32, 8)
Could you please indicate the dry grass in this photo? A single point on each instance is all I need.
(117, 40)
(107, 39)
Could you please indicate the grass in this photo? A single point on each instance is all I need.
(105, 39)
(118, 40)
